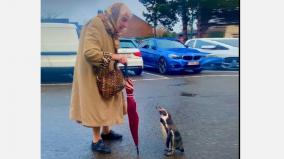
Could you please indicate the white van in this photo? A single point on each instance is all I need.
(59, 45)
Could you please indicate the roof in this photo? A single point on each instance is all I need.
(133, 15)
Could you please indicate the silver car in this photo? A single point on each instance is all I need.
(225, 51)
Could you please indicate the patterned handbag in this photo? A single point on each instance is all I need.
(110, 82)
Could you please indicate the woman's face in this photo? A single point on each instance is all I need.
(122, 24)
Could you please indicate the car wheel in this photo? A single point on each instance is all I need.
(162, 66)
(197, 70)
(138, 71)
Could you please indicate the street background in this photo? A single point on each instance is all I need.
(205, 108)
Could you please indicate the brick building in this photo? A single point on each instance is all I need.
(138, 28)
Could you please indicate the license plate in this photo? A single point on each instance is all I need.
(193, 63)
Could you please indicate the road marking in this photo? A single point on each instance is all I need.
(156, 75)
(154, 79)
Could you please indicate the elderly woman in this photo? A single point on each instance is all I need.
(98, 49)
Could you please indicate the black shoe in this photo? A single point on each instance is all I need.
(111, 136)
(180, 149)
(101, 147)
(169, 153)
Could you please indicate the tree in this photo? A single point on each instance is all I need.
(216, 12)
(159, 11)
(185, 9)
(166, 12)
(207, 12)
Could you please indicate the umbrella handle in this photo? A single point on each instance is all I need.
(126, 70)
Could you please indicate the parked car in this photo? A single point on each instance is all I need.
(135, 62)
(224, 52)
(170, 56)
(59, 44)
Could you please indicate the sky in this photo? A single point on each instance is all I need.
(83, 10)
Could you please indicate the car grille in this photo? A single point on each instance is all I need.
(196, 57)
(231, 59)
(187, 57)
(191, 57)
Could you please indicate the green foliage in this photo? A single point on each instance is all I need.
(159, 11)
(169, 35)
(167, 12)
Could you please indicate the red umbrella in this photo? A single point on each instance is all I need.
(133, 117)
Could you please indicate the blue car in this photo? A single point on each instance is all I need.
(170, 56)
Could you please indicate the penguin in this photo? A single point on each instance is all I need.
(170, 133)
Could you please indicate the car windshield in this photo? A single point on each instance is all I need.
(231, 42)
(167, 44)
(127, 44)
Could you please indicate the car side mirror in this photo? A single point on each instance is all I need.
(154, 47)
(209, 47)
(145, 46)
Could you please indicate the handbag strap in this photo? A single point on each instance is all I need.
(115, 51)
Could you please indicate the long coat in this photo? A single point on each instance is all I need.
(87, 105)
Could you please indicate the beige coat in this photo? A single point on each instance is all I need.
(87, 105)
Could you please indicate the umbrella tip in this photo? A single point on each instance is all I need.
(137, 149)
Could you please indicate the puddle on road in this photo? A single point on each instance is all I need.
(186, 94)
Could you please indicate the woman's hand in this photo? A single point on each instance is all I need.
(123, 59)
(120, 58)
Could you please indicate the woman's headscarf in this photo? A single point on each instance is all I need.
(110, 18)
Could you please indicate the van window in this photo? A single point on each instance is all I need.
(59, 39)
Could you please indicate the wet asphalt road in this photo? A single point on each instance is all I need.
(205, 108)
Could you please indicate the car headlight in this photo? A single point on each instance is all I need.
(174, 56)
